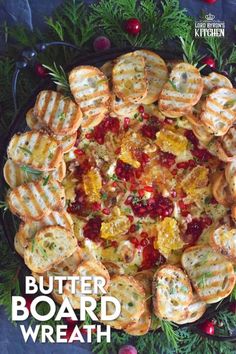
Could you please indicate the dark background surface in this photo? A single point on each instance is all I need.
(32, 13)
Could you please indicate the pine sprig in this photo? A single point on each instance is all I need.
(59, 78)
(170, 333)
(190, 49)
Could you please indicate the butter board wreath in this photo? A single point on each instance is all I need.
(149, 148)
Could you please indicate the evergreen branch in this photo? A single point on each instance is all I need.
(217, 48)
(232, 56)
(59, 77)
(171, 334)
(190, 49)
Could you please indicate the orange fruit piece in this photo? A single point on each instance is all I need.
(92, 184)
(195, 181)
(115, 227)
(171, 142)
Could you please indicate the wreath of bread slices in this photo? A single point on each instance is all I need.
(212, 276)
(182, 91)
(57, 112)
(129, 78)
(35, 200)
(130, 293)
(35, 149)
(223, 241)
(157, 74)
(172, 293)
(219, 110)
(15, 175)
(90, 89)
(88, 268)
(51, 245)
(28, 229)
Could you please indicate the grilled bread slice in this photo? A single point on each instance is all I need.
(172, 293)
(15, 175)
(157, 74)
(220, 189)
(142, 326)
(129, 78)
(88, 268)
(28, 229)
(219, 110)
(18, 246)
(214, 81)
(182, 91)
(194, 311)
(227, 146)
(67, 142)
(107, 67)
(35, 149)
(131, 295)
(32, 121)
(113, 268)
(35, 200)
(223, 241)
(211, 275)
(58, 113)
(51, 245)
(122, 108)
(230, 175)
(65, 268)
(90, 89)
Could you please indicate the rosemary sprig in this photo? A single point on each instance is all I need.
(3, 205)
(25, 150)
(203, 278)
(173, 85)
(29, 170)
(59, 78)
(190, 49)
(218, 49)
(170, 333)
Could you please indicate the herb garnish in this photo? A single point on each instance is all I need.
(201, 282)
(173, 85)
(30, 170)
(25, 150)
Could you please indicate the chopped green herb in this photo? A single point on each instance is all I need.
(130, 304)
(136, 115)
(45, 180)
(127, 210)
(173, 85)
(207, 200)
(202, 279)
(50, 156)
(42, 251)
(62, 116)
(114, 178)
(27, 170)
(230, 103)
(33, 244)
(25, 150)
(104, 196)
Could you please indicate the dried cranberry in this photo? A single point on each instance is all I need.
(83, 168)
(134, 241)
(193, 232)
(108, 124)
(80, 205)
(149, 131)
(151, 257)
(166, 159)
(191, 137)
(163, 207)
(202, 155)
(92, 228)
(124, 171)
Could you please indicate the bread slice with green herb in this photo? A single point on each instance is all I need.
(35, 149)
(223, 241)
(214, 81)
(194, 311)
(67, 141)
(129, 78)
(212, 276)
(131, 296)
(32, 120)
(230, 175)
(226, 146)
(51, 245)
(172, 293)
(219, 110)
(15, 175)
(28, 229)
(121, 108)
(157, 74)
(88, 268)
(90, 89)
(220, 189)
(182, 91)
(57, 112)
(35, 200)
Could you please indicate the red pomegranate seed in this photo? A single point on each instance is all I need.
(130, 217)
(88, 136)
(191, 137)
(183, 164)
(114, 184)
(134, 241)
(132, 228)
(148, 189)
(206, 220)
(141, 192)
(106, 211)
(114, 244)
(144, 242)
(96, 206)
(182, 205)
(174, 172)
(145, 115)
(117, 151)
(128, 200)
(126, 123)
(144, 234)
(79, 152)
(173, 193)
(141, 109)
(133, 187)
(192, 163)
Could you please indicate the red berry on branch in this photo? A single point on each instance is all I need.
(128, 349)
(28, 299)
(209, 61)
(40, 71)
(133, 26)
(70, 322)
(210, 1)
(207, 327)
(101, 43)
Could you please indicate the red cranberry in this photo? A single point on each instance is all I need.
(128, 349)
(144, 242)
(149, 131)
(83, 168)
(80, 204)
(191, 137)
(167, 159)
(207, 327)
(232, 307)
(141, 109)
(151, 257)
(145, 115)
(92, 228)
(193, 232)
(163, 207)
(79, 152)
(132, 228)
(126, 123)
(132, 26)
(201, 154)
(124, 171)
